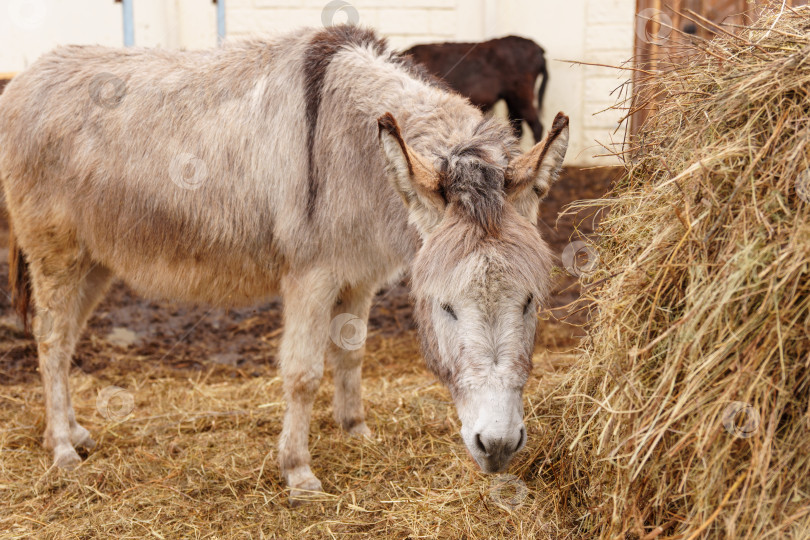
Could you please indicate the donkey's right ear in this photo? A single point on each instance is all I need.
(531, 175)
(415, 181)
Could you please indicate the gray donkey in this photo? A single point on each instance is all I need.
(319, 165)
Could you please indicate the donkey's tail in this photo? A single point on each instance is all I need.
(19, 279)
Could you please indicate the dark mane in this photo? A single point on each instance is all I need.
(471, 177)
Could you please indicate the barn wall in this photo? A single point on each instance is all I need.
(597, 31)
(592, 31)
(29, 28)
(402, 21)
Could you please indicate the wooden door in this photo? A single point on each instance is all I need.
(665, 27)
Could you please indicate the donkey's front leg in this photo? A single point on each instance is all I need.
(64, 301)
(346, 349)
(61, 431)
(308, 300)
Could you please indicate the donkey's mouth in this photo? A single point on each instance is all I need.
(494, 464)
(489, 464)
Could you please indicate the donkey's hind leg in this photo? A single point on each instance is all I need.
(346, 349)
(308, 301)
(65, 292)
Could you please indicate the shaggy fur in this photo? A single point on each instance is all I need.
(228, 175)
(322, 48)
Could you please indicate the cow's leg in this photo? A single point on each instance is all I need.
(65, 291)
(521, 107)
(308, 301)
(516, 121)
(532, 116)
(346, 349)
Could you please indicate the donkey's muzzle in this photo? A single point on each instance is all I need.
(492, 426)
(493, 453)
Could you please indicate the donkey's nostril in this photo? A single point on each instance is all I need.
(480, 444)
(521, 439)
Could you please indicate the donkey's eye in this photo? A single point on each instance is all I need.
(528, 304)
(449, 311)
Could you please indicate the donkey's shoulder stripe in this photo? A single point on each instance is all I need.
(322, 48)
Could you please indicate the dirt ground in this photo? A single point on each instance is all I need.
(159, 351)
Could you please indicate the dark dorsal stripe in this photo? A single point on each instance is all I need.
(322, 48)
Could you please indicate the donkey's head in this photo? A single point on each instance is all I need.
(480, 273)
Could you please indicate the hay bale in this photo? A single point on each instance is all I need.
(687, 413)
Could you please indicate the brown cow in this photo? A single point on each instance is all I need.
(506, 68)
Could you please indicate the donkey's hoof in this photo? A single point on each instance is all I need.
(81, 437)
(304, 487)
(66, 459)
(360, 430)
(88, 443)
(306, 493)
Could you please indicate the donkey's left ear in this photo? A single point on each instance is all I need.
(531, 175)
(416, 181)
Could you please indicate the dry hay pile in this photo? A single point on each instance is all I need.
(687, 415)
(193, 456)
(187, 448)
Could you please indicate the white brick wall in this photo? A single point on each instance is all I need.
(589, 31)
(404, 22)
(608, 40)
(595, 31)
